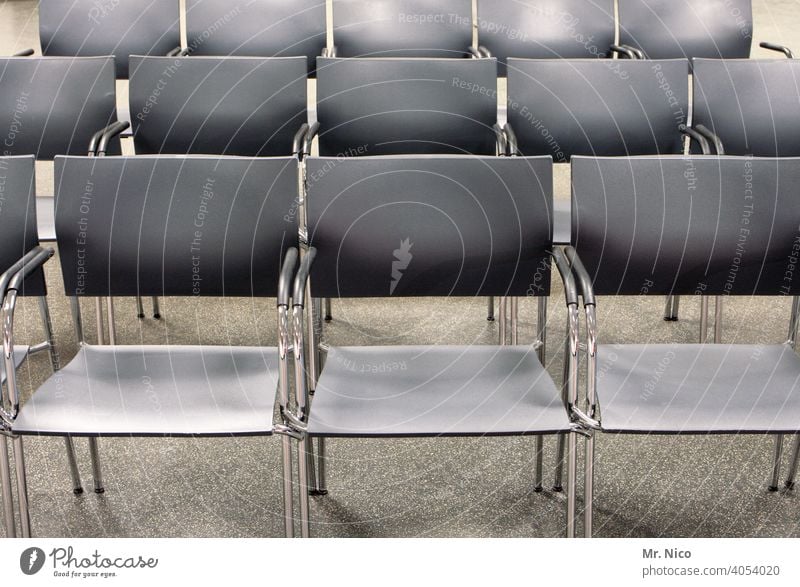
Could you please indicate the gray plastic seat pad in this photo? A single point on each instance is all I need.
(698, 389)
(435, 391)
(137, 390)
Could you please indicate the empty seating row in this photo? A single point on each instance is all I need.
(397, 28)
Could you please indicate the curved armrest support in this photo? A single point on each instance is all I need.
(331, 51)
(299, 140)
(501, 139)
(624, 50)
(23, 53)
(779, 48)
(705, 146)
(635, 50)
(311, 134)
(29, 265)
(111, 131)
(474, 52)
(711, 136)
(301, 278)
(174, 52)
(485, 53)
(581, 275)
(285, 281)
(511, 138)
(570, 291)
(8, 275)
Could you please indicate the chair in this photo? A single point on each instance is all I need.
(411, 226)
(545, 29)
(685, 226)
(668, 29)
(172, 390)
(257, 28)
(18, 237)
(246, 106)
(122, 28)
(401, 28)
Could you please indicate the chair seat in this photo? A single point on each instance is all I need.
(157, 391)
(698, 389)
(20, 354)
(435, 391)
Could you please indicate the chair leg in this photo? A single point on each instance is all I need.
(572, 472)
(97, 473)
(558, 485)
(302, 468)
(776, 463)
(490, 309)
(671, 310)
(8, 495)
(139, 307)
(539, 454)
(320, 484)
(72, 462)
(156, 308)
(328, 311)
(22, 488)
(288, 490)
(588, 488)
(793, 465)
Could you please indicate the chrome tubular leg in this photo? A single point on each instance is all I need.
(572, 472)
(490, 309)
(139, 307)
(72, 462)
(718, 319)
(514, 320)
(8, 495)
(312, 471)
(302, 468)
(793, 465)
(558, 485)
(328, 311)
(156, 308)
(288, 490)
(588, 488)
(77, 322)
(539, 454)
(321, 485)
(503, 320)
(22, 488)
(703, 319)
(776, 463)
(671, 310)
(97, 473)
(47, 324)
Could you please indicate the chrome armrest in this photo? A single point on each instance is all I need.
(712, 137)
(779, 48)
(313, 131)
(23, 53)
(705, 146)
(299, 140)
(302, 395)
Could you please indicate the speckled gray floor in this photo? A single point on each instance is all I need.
(664, 486)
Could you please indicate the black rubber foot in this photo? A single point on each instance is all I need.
(328, 318)
(318, 492)
(538, 489)
(772, 488)
(78, 491)
(670, 319)
(558, 488)
(157, 316)
(790, 485)
(100, 490)
(490, 318)
(140, 316)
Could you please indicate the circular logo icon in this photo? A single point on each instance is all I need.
(31, 560)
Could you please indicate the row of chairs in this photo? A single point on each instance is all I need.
(397, 28)
(405, 226)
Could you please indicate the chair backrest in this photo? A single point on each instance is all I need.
(109, 27)
(53, 105)
(18, 233)
(177, 226)
(402, 28)
(243, 106)
(688, 225)
(375, 106)
(259, 28)
(430, 226)
(597, 107)
(546, 29)
(669, 29)
(752, 105)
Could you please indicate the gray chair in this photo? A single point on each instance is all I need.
(412, 226)
(127, 27)
(545, 29)
(18, 238)
(138, 235)
(705, 240)
(246, 106)
(401, 28)
(258, 28)
(671, 29)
